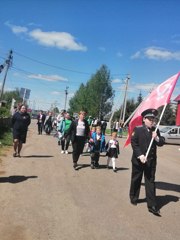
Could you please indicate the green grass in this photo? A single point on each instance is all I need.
(6, 139)
(108, 131)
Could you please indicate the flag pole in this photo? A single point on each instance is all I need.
(162, 113)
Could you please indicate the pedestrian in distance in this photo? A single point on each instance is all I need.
(103, 127)
(140, 141)
(40, 121)
(79, 131)
(97, 142)
(20, 122)
(65, 135)
(113, 151)
(48, 123)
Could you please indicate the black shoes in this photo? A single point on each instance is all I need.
(92, 166)
(75, 166)
(133, 202)
(154, 211)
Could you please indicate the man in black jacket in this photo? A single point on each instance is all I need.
(140, 141)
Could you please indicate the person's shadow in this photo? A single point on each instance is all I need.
(168, 186)
(37, 156)
(15, 179)
(164, 200)
(80, 166)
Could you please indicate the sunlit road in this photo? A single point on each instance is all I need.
(43, 198)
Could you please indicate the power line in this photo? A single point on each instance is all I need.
(59, 67)
(50, 65)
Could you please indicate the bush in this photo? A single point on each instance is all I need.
(4, 112)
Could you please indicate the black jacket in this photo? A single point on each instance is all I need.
(140, 141)
(21, 121)
(73, 128)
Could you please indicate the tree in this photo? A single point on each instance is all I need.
(130, 107)
(78, 102)
(9, 95)
(96, 97)
(139, 99)
(169, 116)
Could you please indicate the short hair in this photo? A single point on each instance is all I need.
(98, 127)
(114, 134)
(82, 112)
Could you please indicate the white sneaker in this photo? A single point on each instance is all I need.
(62, 152)
(66, 152)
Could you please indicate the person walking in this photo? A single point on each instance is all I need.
(140, 141)
(103, 127)
(20, 122)
(79, 131)
(40, 122)
(97, 142)
(112, 151)
(48, 123)
(65, 136)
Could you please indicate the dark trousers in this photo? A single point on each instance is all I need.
(40, 128)
(78, 146)
(149, 177)
(65, 143)
(95, 158)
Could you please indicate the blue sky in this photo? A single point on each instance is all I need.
(59, 44)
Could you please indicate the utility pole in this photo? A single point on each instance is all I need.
(8, 63)
(123, 110)
(66, 93)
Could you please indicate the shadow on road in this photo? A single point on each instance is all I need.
(164, 200)
(168, 186)
(15, 179)
(37, 156)
(82, 166)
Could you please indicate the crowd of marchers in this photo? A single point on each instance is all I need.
(86, 132)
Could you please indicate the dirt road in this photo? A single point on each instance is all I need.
(43, 198)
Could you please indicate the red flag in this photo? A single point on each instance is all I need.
(158, 97)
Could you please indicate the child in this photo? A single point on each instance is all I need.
(97, 142)
(112, 150)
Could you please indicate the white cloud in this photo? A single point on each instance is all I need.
(56, 93)
(134, 88)
(62, 40)
(16, 29)
(116, 80)
(157, 53)
(50, 78)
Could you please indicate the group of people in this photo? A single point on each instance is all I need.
(78, 132)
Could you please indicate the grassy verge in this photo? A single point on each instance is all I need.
(5, 141)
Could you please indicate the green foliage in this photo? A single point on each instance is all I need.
(169, 117)
(130, 107)
(96, 97)
(8, 96)
(4, 112)
(139, 99)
